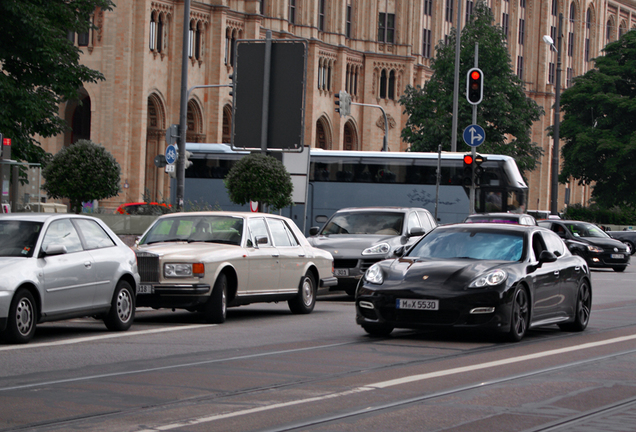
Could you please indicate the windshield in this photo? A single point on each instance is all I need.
(383, 223)
(470, 243)
(212, 229)
(18, 238)
(581, 229)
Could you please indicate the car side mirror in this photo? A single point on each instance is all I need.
(399, 251)
(547, 257)
(313, 231)
(416, 231)
(260, 240)
(54, 249)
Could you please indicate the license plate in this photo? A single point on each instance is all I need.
(145, 289)
(417, 304)
(617, 256)
(341, 272)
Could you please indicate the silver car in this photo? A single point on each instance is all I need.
(60, 266)
(209, 261)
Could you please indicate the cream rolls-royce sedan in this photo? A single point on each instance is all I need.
(209, 261)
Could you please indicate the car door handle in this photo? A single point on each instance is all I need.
(577, 268)
(88, 264)
(301, 255)
(275, 255)
(556, 272)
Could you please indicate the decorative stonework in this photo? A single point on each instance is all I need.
(380, 122)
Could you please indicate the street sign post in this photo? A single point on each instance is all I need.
(474, 135)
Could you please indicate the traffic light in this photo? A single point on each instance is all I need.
(468, 169)
(475, 86)
(187, 162)
(479, 171)
(343, 103)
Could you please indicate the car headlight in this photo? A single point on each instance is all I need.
(380, 248)
(183, 270)
(493, 278)
(596, 249)
(374, 275)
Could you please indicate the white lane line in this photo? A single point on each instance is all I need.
(101, 337)
(391, 383)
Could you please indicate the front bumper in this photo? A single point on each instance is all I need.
(175, 296)
(486, 309)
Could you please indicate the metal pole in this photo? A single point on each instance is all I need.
(385, 146)
(554, 195)
(456, 85)
(438, 178)
(183, 118)
(471, 198)
(266, 75)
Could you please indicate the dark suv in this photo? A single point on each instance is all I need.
(360, 237)
(591, 242)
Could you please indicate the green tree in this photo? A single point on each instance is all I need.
(599, 126)
(39, 68)
(83, 172)
(505, 113)
(261, 178)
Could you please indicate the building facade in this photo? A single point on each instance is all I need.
(372, 49)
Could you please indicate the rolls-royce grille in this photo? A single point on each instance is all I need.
(148, 265)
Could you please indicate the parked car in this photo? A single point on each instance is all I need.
(592, 243)
(359, 237)
(510, 218)
(500, 277)
(209, 261)
(60, 266)
(628, 237)
(143, 208)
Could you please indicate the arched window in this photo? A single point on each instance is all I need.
(392, 85)
(191, 39)
(383, 83)
(153, 31)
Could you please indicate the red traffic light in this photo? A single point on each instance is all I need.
(468, 159)
(475, 75)
(474, 86)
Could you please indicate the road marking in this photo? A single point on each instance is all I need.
(101, 337)
(390, 383)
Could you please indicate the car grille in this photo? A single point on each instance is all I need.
(345, 263)
(148, 265)
(365, 264)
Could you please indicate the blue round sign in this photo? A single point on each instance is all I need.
(474, 135)
(171, 154)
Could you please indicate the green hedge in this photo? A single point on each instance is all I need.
(595, 214)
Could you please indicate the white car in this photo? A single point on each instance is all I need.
(209, 261)
(60, 266)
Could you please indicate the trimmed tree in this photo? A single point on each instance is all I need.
(505, 113)
(599, 126)
(261, 178)
(82, 172)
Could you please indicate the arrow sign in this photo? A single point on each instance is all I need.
(171, 154)
(474, 135)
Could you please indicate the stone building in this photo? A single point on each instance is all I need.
(371, 48)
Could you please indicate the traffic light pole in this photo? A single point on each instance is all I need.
(385, 146)
(471, 196)
(183, 117)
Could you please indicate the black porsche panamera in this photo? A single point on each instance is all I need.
(505, 278)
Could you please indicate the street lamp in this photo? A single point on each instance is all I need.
(554, 193)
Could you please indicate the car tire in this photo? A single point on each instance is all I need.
(122, 308)
(582, 310)
(22, 318)
(305, 301)
(377, 330)
(619, 268)
(215, 310)
(519, 315)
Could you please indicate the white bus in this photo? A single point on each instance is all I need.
(339, 179)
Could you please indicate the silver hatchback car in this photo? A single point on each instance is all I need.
(61, 266)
